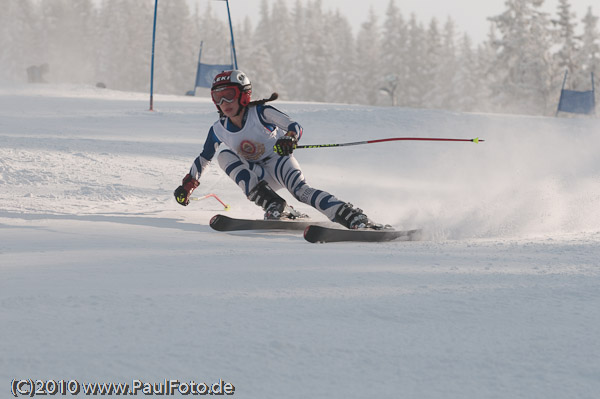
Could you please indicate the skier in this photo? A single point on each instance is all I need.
(260, 140)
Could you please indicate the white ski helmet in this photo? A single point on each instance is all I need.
(233, 78)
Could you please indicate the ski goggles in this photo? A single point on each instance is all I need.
(227, 93)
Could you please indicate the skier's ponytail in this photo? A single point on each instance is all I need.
(274, 96)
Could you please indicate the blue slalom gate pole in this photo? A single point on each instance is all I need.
(235, 65)
(152, 63)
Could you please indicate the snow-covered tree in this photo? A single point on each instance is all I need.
(244, 42)
(68, 40)
(342, 72)
(176, 61)
(467, 92)
(588, 56)
(447, 76)
(393, 50)
(125, 45)
(442, 65)
(294, 82)
(260, 62)
(416, 61)
(19, 41)
(486, 70)
(432, 65)
(564, 58)
(215, 36)
(308, 53)
(316, 61)
(281, 36)
(368, 56)
(523, 58)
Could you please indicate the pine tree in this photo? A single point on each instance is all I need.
(18, 39)
(108, 30)
(295, 85)
(588, 56)
(214, 34)
(446, 75)
(281, 52)
(416, 62)
(265, 29)
(78, 24)
(393, 49)
(487, 72)
(368, 56)
(57, 37)
(244, 43)
(177, 55)
(431, 66)
(564, 58)
(441, 65)
(125, 49)
(306, 53)
(315, 62)
(467, 87)
(260, 64)
(343, 71)
(523, 58)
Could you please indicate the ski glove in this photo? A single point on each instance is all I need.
(286, 145)
(183, 192)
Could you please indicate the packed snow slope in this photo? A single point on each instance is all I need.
(105, 278)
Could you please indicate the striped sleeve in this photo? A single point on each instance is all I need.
(271, 115)
(208, 152)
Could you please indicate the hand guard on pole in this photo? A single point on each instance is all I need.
(286, 144)
(183, 192)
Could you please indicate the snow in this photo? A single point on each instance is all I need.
(104, 278)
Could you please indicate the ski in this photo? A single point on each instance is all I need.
(313, 232)
(317, 234)
(226, 223)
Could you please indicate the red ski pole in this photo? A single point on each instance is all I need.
(475, 140)
(227, 207)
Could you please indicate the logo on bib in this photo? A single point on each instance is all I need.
(251, 151)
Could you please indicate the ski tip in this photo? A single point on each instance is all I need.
(320, 234)
(306, 232)
(310, 233)
(214, 219)
(219, 222)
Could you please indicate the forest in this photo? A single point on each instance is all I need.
(306, 53)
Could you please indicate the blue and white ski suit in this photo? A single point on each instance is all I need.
(249, 156)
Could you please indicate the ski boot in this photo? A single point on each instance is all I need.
(265, 197)
(274, 212)
(354, 218)
(275, 207)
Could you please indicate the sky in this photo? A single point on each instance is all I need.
(469, 15)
